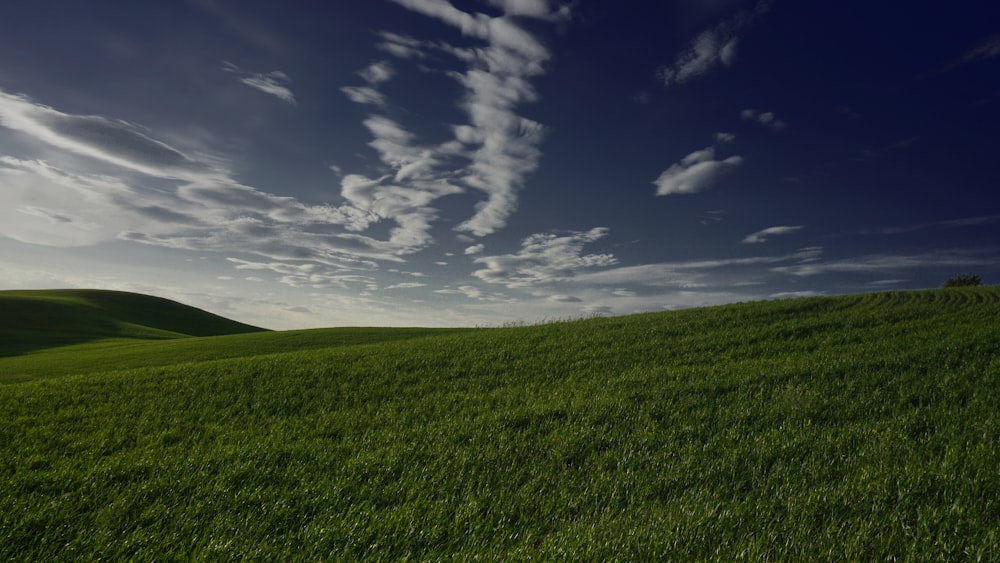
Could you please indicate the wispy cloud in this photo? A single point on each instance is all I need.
(711, 216)
(115, 142)
(986, 49)
(765, 118)
(274, 83)
(493, 153)
(887, 264)
(310, 275)
(548, 290)
(475, 293)
(159, 195)
(41, 204)
(696, 172)
(540, 9)
(364, 95)
(406, 285)
(545, 258)
(946, 224)
(374, 75)
(401, 45)
(693, 273)
(712, 48)
(378, 73)
(765, 234)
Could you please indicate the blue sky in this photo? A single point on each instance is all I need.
(439, 163)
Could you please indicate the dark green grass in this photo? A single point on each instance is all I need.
(849, 428)
(38, 319)
(117, 353)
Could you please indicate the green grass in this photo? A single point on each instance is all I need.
(39, 319)
(111, 354)
(848, 428)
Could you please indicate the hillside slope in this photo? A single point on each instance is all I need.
(35, 319)
(858, 428)
(104, 356)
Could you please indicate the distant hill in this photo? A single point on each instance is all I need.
(37, 319)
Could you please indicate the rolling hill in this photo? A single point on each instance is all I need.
(36, 319)
(860, 427)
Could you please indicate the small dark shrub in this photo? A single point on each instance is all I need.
(963, 280)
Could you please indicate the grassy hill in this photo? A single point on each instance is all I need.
(858, 427)
(36, 319)
(104, 355)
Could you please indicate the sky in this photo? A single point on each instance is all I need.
(317, 163)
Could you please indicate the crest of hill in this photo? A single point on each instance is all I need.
(37, 319)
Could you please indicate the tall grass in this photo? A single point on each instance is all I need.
(860, 427)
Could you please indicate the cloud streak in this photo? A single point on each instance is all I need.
(946, 224)
(710, 49)
(888, 264)
(765, 234)
(274, 83)
(115, 142)
(986, 49)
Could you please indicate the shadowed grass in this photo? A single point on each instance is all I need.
(855, 428)
(38, 319)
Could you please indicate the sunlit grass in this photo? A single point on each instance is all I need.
(854, 428)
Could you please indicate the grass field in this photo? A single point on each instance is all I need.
(39, 319)
(846, 428)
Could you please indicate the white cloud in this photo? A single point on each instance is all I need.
(310, 275)
(713, 47)
(44, 205)
(765, 234)
(364, 95)
(696, 172)
(274, 83)
(475, 249)
(723, 137)
(495, 151)
(114, 142)
(545, 258)
(377, 73)
(160, 196)
(406, 285)
(540, 9)
(690, 274)
(401, 46)
(476, 294)
(885, 264)
(374, 75)
(765, 118)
